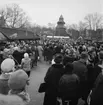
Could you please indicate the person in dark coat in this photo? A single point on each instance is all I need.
(52, 78)
(50, 54)
(68, 86)
(97, 69)
(36, 56)
(17, 56)
(57, 49)
(96, 96)
(45, 53)
(67, 59)
(80, 69)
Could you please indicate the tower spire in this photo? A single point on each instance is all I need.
(61, 22)
(60, 28)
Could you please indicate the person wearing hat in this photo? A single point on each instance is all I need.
(68, 86)
(96, 95)
(5, 53)
(17, 83)
(17, 55)
(80, 69)
(7, 67)
(26, 63)
(97, 68)
(52, 78)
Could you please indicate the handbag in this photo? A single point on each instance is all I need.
(43, 87)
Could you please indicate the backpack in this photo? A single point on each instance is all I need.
(68, 86)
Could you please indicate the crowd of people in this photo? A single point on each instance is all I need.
(76, 71)
(16, 62)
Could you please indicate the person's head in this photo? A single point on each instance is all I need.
(58, 59)
(26, 55)
(67, 59)
(8, 65)
(84, 56)
(18, 80)
(69, 68)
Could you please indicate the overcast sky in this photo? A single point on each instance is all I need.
(43, 12)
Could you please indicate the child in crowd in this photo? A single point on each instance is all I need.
(17, 84)
(26, 63)
(7, 67)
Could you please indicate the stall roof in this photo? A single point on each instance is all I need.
(18, 34)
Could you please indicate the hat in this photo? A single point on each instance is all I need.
(26, 55)
(18, 79)
(58, 58)
(7, 65)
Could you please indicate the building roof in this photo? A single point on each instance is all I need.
(61, 16)
(2, 37)
(18, 34)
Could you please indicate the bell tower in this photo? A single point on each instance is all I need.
(60, 28)
(60, 23)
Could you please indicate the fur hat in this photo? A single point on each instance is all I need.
(18, 79)
(10, 100)
(7, 65)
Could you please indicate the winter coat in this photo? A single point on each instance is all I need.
(97, 71)
(26, 64)
(10, 100)
(24, 95)
(17, 56)
(80, 69)
(90, 75)
(97, 92)
(52, 78)
(68, 86)
(53, 75)
(4, 88)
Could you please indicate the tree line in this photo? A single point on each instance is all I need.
(13, 16)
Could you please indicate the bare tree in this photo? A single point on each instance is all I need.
(82, 26)
(94, 21)
(73, 26)
(51, 25)
(14, 16)
(4, 14)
